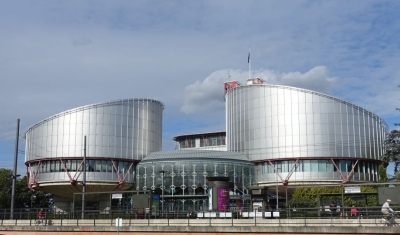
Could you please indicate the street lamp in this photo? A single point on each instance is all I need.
(277, 191)
(14, 176)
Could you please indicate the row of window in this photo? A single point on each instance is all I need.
(320, 166)
(76, 165)
(212, 141)
(204, 142)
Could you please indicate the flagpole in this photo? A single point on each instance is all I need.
(249, 62)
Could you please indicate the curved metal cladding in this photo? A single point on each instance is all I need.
(119, 134)
(295, 134)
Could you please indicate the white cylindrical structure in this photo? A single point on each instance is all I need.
(308, 135)
(119, 134)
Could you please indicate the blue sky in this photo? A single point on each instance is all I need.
(58, 55)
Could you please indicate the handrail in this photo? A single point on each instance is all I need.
(367, 216)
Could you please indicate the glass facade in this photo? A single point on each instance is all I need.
(321, 170)
(205, 141)
(185, 180)
(95, 169)
(212, 141)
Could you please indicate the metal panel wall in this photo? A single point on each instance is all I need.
(118, 133)
(271, 122)
(128, 129)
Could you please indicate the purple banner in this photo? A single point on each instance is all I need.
(223, 199)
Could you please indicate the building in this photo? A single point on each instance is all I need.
(203, 141)
(298, 136)
(118, 135)
(182, 176)
(276, 135)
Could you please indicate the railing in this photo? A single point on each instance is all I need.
(368, 216)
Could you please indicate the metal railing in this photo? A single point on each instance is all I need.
(366, 216)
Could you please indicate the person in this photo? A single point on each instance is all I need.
(386, 210)
(332, 207)
(353, 211)
(190, 214)
(41, 216)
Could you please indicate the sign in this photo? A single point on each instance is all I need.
(223, 199)
(118, 222)
(352, 190)
(210, 198)
(225, 214)
(116, 196)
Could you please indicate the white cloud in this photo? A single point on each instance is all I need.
(61, 55)
(207, 96)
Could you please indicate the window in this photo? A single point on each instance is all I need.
(188, 143)
(321, 165)
(314, 165)
(214, 141)
(90, 165)
(307, 165)
(98, 165)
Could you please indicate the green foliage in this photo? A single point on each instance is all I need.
(308, 197)
(24, 197)
(5, 188)
(397, 176)
(382, 174)
(392, 148)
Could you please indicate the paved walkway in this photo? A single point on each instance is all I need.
(201, 226)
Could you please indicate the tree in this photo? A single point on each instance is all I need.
(382, 174)
(392, 148)
(29, 198)
(24, 196)
(397, 176)
(5, 188)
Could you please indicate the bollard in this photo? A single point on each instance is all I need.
(232, 218)
(279, 219)
(255, 217)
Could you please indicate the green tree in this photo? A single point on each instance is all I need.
(397, 176)
(5, 188)
(382, 174)
(24, 196)
(30, 198)
(392, 150)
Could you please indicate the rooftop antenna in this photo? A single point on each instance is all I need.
(249, 62)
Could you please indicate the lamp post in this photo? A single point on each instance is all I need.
(14, 176)
(84, 178)
(162, 172)
(277, 191)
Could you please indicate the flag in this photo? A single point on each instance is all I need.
(248, 58)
